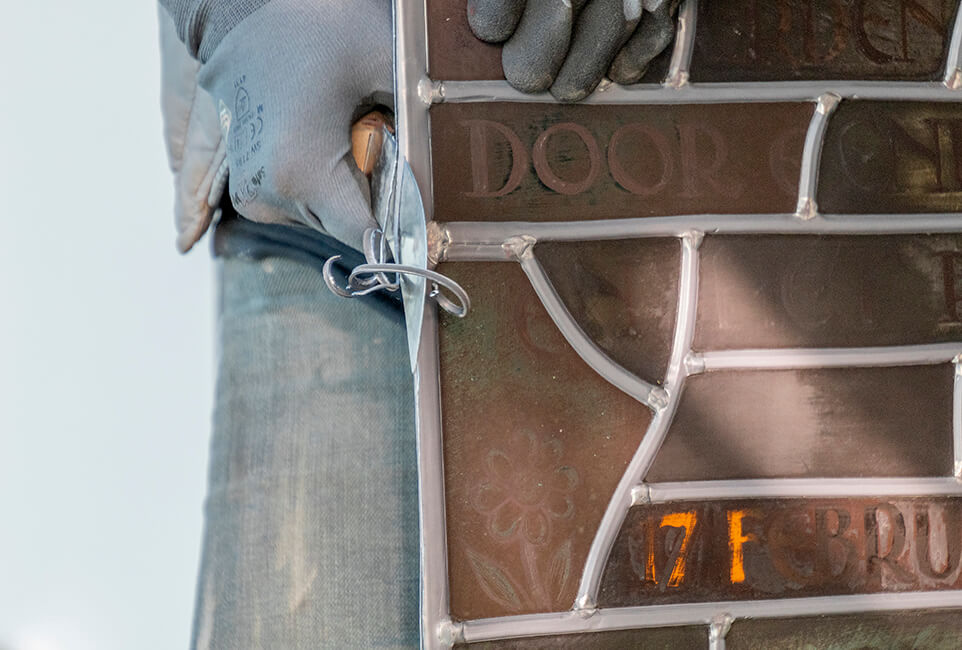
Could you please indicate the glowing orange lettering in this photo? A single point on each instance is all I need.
(687, 521)
(736, 540)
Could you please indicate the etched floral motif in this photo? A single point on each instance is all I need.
(526, 488)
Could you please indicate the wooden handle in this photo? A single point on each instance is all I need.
(367, 136)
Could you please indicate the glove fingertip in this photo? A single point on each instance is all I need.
(493, 21)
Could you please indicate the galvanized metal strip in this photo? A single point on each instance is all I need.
(953, 60)
(812, 156)
(794, 358)
(644, 456)
(483, 241)
(625, 618)
(684, 45)
(650, 395)
(785, 488)
(701, 93)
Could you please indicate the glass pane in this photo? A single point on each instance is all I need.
(787, 548)
(806, 291)
(534, 444)
(844, 422)
(769, 40)
(931, 630)
(890, 157)
(671, 638)
(562, 162)
(454, 54)
(623, 294)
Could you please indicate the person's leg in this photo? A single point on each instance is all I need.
(311, 533)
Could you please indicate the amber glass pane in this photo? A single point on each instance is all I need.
(788, 548)
(623, 294)
(811, 423)
(890, 157)
(534, 444)
(551, 162)
(670, 638)
(768, 40)
(804, 291)
(931, 630)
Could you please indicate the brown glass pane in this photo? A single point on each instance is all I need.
(839, 291)
(891, 157)
(768, 40)
(534, 444)
(932, 630)
(788, 548)
(843, 422)
(669, 638)
(553, 162)
(623, 294)
(454, 54)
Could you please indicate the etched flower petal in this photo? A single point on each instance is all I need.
(559, 506)
(488, 496)
(564, 479)
(535, 527)
(506, 519)
(499, 467)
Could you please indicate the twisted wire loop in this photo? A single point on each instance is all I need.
(376, 273)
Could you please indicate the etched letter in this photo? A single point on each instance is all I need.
(659, 148)
(480, 159)
(543, 167)
(700, 175)
(737, 538)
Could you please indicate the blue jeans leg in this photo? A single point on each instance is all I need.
(311, 534)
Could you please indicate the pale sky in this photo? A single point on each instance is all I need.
(106, 340)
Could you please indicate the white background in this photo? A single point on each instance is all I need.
(105, 340)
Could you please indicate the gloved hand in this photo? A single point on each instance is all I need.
(567, 46)
(288, 78)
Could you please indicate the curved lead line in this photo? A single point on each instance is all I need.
(651, 396)
(797, 358)
(711, 93)
(621, 500)
(953, 59)
(787, 488)
(484, 241)
(807, 207)
(641, 617)
(684, 45)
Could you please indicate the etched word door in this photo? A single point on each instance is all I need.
(709, 387)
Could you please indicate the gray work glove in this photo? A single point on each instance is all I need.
(567, 46)
(288, 78)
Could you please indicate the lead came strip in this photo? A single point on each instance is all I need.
(795, 358)
(650, 493)
(684, 45)
(483, 241)
(704, 93)
(620, 501)
(812, 156)
(957, 421)
(624, 618)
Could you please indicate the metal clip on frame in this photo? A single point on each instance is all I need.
(374, 276)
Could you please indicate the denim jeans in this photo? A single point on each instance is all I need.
(311, 533)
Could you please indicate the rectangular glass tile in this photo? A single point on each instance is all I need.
(667, 638)
(841, 422)
(551, 162)
(454, 54)
(534, 444)
(776, 40)
(892, 157)
(834, 291)
(785, 548)
(931, 630)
